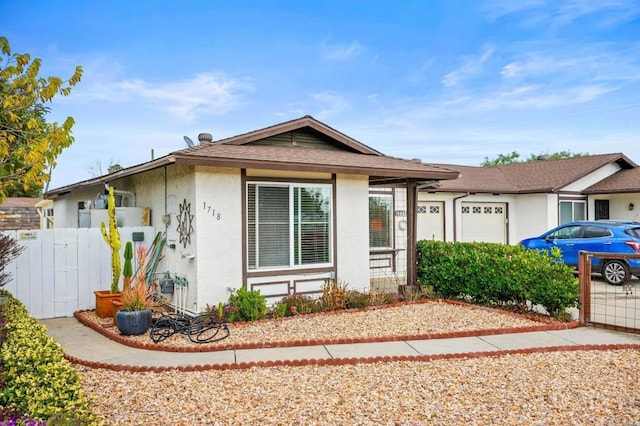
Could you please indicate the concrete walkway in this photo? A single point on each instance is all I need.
(82, 343)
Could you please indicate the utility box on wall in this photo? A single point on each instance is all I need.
(125, 216)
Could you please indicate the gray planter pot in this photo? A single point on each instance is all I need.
(133, 323)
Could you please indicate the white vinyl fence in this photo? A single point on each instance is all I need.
(60, 269)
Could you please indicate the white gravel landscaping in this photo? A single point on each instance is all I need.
(598, 387)
(555, 388)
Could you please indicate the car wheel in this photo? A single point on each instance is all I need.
(616, 272)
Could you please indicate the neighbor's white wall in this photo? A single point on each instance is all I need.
(65, 208)
(532, 214)
(592, 178)
(219, 236)
(618, 206)
(452, 211)
(352, 230)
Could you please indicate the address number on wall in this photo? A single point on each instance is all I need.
(210, 210)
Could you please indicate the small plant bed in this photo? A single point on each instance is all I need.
(423, 319)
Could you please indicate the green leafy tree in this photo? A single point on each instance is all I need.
(29, 145)
(513, 157)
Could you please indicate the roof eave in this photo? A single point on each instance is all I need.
(150, 165)
(306, 167)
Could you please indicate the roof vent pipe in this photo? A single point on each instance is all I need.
(205, 138)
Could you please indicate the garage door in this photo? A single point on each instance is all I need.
(485, 222)
(431, 220)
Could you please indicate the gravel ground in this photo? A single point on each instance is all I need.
(555, 388)
(404, 320)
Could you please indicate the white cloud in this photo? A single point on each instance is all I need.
(329, 105)
(340, 52)
(496, 9)
(555, 14)
(471, 65)
(204, 94)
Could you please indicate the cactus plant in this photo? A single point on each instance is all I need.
(113, 240)
(127, 270)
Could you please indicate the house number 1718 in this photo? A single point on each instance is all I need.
(212, 211)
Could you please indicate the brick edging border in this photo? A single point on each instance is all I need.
(547, 324)
(348, 361)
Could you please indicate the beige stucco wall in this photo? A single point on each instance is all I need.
(219, 235)
(352, 230)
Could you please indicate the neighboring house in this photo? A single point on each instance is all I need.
(281, 209)
(508, 203)
(19, 213)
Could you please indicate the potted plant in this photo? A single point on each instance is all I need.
(134, 317)
(104, 298)
(127, 273)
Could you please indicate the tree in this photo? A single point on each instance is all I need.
(29, 145)
(512, 157)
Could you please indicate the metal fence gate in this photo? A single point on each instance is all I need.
(60, 269)
(604, 305)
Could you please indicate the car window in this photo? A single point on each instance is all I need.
(565, 232)
(591, 231)
(634, 232)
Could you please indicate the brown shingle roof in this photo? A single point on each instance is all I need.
(238, 152)
(303, 122)
(623, 181)
(23, 202)
(308, 159)
(530, 177)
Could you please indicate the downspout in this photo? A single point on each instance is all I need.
(455, 216)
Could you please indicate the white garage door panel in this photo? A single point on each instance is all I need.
(431, 220)
(484, 222)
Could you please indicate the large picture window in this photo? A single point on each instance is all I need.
(288, 225)
(380, 208)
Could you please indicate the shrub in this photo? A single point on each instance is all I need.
(379, 299)
(357, 299)
(299, 304)
(36, 379)
(497, 274)
(334, 295)
(245, 305)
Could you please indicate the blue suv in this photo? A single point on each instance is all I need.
(602, 236)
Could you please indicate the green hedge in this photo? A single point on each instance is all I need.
(35, 379)
(497, 274)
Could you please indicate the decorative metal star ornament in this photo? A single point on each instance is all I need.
(185, 223)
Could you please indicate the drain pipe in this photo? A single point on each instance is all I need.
(455, 216)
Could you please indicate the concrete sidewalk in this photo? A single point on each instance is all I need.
(82, 343)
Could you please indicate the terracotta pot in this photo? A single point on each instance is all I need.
(133, 323)
(104, 305)
(117, 305)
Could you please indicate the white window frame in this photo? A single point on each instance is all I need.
(292, 186)
(573, 204)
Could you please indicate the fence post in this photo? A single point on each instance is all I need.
(584, 280)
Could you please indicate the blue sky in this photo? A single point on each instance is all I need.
(446, 82)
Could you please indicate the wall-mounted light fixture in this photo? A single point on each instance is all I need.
(631, 206)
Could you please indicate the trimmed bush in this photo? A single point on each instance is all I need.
(497, 274)
(245, 305)
(36, 379)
